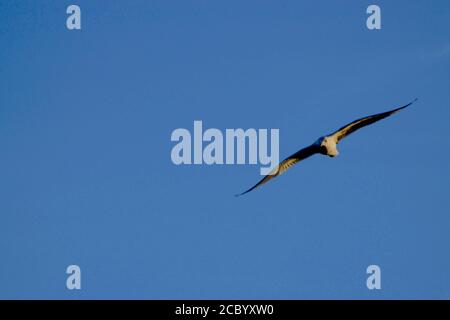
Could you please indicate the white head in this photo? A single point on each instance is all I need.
(327, 146)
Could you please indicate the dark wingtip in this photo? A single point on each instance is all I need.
(240, 194)
(247, 191)
(405, 106)
(411, 102)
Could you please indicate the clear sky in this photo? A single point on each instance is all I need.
(86, 176)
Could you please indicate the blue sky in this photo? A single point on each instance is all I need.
(86, 176)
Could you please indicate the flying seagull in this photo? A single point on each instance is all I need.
(326, 145)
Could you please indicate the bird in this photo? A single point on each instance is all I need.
(325, 145)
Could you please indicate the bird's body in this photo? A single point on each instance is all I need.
(326, 145)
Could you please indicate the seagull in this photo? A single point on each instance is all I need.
(326, 145)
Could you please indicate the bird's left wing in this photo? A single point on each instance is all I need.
(358, 124)
(286, 164)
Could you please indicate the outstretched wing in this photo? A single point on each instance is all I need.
(286, 164)
(358, 124)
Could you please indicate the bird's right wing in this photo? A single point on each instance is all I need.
(358, 124)
(286, 164)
